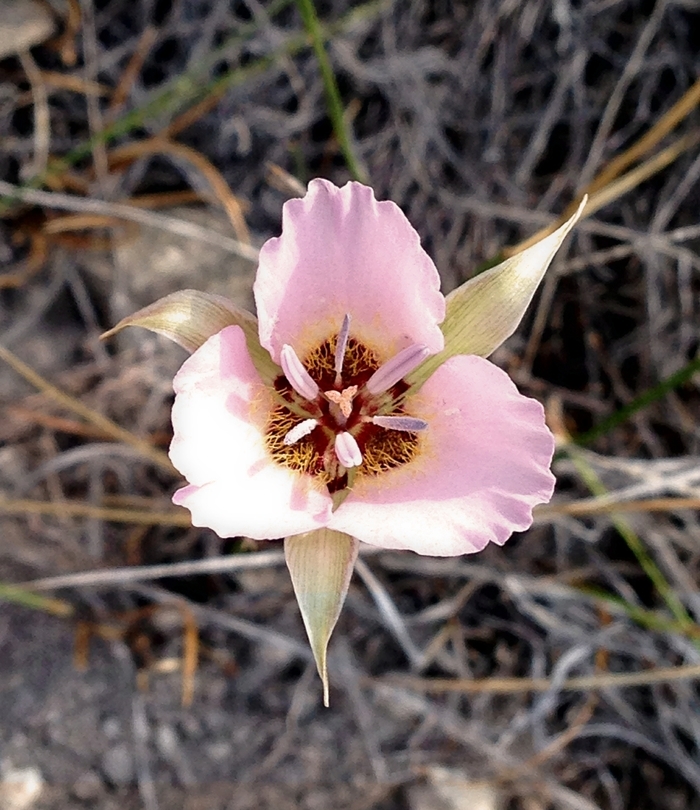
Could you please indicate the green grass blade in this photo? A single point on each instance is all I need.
(335, 105)
(634, 543)
(190, 88)
(645, 399)
(20, 596)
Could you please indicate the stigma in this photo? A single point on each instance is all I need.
(343, 399)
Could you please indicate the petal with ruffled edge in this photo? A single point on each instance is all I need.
(342, 252)
(219, 415)
(483, 464)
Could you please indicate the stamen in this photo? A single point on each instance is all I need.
(397, 368)
(343, 399)
(347, 450)
(340, 347)
(299, 378)
(407, 423)
(299, 431)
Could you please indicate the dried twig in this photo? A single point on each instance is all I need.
(181, 227)
(102, 422)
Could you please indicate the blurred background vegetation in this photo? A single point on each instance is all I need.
(147, 146)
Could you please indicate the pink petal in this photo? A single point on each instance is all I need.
(343, 253)
(483, 465)
(218, 417)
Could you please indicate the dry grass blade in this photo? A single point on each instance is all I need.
(219, 186)
(596, 506)
(166, 199)
(87, 510)
(190, 654)
(66, 41)
(194, 113)
(220, 618)
(42, 123)
(131, 71)
(389, 613)
(81, 645)
(130, 213)
(616, 188)
(644, 36)
(60, 424)
(56, 423)
(79, 222)
(157, 457)
(76, 84)
(509, 686)
(144, 573)
(603, 189)
(666, 124)
(38, 254)
(280, 179)
(91, 61)
(583, 716)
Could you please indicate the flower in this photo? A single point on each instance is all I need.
(360, 405)
(348, 305)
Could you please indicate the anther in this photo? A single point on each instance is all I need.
(347, 450)
(299, 378)
(340, 346)
(397, 368)
(409, 424)
(299, 431)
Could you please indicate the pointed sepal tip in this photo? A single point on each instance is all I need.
(189, 318)
(321, 564)
(484, 311)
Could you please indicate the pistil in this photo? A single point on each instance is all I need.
(338, 413)
(343, 399)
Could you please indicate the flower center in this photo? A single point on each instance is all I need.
(337, 411)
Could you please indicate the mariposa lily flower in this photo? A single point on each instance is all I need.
(359, 406)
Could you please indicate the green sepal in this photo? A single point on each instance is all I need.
(484, 311)
(190, 318)
(321, 565)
